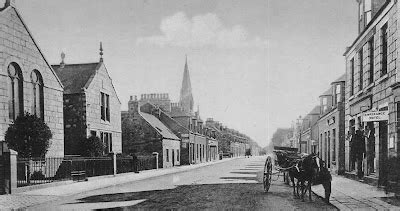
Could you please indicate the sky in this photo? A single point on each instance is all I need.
(306, 42)
(255, 65)
(145, 43)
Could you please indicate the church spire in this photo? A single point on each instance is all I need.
(186, 97)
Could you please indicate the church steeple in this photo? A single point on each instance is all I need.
(186, 97)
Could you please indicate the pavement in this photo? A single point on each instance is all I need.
(348, 194)
(57, 192)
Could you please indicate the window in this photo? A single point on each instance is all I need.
(361, 62)
(338, 94)
(352, 77)
(371, 60)
(15, 93)
(324, 104)
(167, 155)
(328, 149)
(93, 133)
(105, 106)
(384, 49)
(37, 94)
(177, 155)
(106, 138)
(367, 11)
(333, 144)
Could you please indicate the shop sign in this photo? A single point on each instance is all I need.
(375, 116)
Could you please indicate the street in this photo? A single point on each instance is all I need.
(235, 184)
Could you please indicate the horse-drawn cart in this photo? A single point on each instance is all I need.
(279, 165)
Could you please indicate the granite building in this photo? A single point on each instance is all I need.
(372, 84)
(27, 81)
(91, 105)
(331, 126)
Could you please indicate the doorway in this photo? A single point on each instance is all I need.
(383, 148)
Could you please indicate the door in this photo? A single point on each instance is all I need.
(383, 148)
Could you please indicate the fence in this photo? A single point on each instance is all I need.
(35, 171)
(40, 170)
(127, 164)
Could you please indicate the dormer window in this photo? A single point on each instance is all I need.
(324, 104)
(365, 11)
(338, 95)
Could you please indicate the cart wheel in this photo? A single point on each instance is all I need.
(267, 174)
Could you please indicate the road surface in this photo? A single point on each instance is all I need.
(234, 184)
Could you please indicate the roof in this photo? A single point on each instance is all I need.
(159, 126)
(327, 92)
(75, 76)
(315, 110)
(177, 112)
(342, 78)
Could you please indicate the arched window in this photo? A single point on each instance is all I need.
(15, 93)
(37, 94)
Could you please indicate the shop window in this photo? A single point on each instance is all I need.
(15, 91)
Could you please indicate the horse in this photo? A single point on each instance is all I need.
(308, 171)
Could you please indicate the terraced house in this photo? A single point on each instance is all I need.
(91, 105)
(373, 84)
(27, 81)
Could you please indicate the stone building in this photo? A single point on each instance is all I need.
(307, 131)
(331, 126)
(91, 105)
(27, 81)
(373, 85)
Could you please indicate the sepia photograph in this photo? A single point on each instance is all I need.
(199, 105)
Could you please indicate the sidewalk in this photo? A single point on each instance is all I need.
(349, 194)
(39, 196)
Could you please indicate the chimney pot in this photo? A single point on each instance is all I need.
(9, 3)
(131, 98)
(135, 98)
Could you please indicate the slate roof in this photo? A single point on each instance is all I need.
(315, 110)
(177, 112)
(327, 92)
(74, 77)
(159, 126)
(342, 78)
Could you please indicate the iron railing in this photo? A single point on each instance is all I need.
(41, 170)
(127, 164)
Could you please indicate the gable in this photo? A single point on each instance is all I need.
(75, 77)
(19, 46)
(101, 76)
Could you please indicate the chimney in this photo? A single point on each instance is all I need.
(9, 3)
(131, 98)
(62, 63)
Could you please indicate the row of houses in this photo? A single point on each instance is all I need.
(79, 100)
(355, 128)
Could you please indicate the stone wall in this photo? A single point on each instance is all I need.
(103, 83)
(17, 45)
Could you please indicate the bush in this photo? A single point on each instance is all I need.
(29, 136)
(92, 147)
(38, 175)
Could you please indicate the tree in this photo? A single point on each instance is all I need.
(29, 136)
(92, 147)
(280, 135)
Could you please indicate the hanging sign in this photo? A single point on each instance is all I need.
(375, 116)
